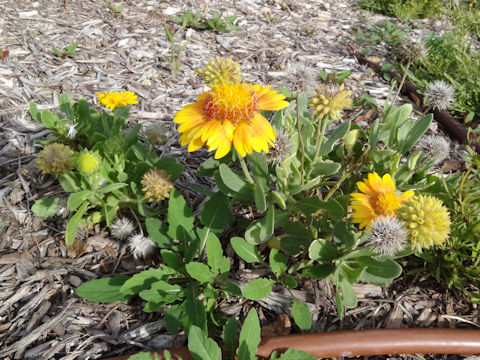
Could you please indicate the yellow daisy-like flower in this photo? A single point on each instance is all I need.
(221, 71)
(330, 100)
(377, 197)
(228, 114)
(112, 100)
(426, 219)
(156, 184)
(55, 158)
(87, 162)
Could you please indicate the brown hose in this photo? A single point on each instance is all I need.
(452, 127)
(367, 343)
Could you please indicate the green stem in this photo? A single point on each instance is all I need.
(321, 129)
(399, 87)
(302, 145)
(337, 185)
(245, 170)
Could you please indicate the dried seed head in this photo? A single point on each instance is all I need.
(439, 95)
(388, 236)
(412, 49)
(283, 147)
(302, 77)
(156, 184)
(434, 147)
(141, 246)
(122, 228)
(155, 132)
(55, 158)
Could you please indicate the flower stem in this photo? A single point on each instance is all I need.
(302, 145)
(337, 185)
(245, 170)
(399, 86)
(321, 128)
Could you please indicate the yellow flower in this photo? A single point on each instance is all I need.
(221, 71)
(377, 197)
(426, 220)
(228, 114)
(112, 100)
(87, 162)
(330, 100)
(55, 158)
(156, 184)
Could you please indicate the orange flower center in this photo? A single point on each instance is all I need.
(234, 102)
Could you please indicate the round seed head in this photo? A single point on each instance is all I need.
(122, 228)
(388, 236)
(330, 100)
(55, 158)
(156, 184)
(439, 95)
(155, 132)
(412, 49)
(283, 148)
(141, 246)
(434, 147)
(302, 77)
(221, 71)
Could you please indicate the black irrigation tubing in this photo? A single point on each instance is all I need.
(444, 118)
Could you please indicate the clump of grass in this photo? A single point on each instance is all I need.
(404, 9)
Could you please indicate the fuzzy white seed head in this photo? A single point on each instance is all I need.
(412, 49)
(122, 228)
(434, 147)
(388, 236)
(141, 246)
(283, 148)
(302, 77)
(439, 95)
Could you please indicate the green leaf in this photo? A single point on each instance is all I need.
(322, 250)
(112, 187)
(75, 199)
(34, 111)
(46, 207)
(229, 337)
(290, 282)
(214, 253)
(145, 356)
(249, 337)
(245, 250)
(260, 199)
(233, 182)
(342, 236)
(200, 272)
(180, 218)
(208, 167)
(143, 280)
(301, 314)
(325, 168)
(333, 136)
(320, 271)
(70, 182)
(201, 347)
(172, 260)
(171, 166)
(104, 290)
(278, 262)
(73, 223)
(349, 297)
(65, 106)
(417, 132)
(193, 313)
(161, 293)
(49, 120)
(261, 231)
(311, 205)
(157, 230)
(379, 272)
(232, 289)
(373, 134)
(257, 289)
(216, 213)
(292, 354)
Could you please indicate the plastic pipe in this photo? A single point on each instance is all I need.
(366, 343)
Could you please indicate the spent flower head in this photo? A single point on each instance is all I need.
(122, 228)
(434, 147)
(283, 148)
(155, 132)
(388, 236)
(141, 246)
(221, 71)
(377, 198)
(426, 219)
(302, 77)
(412, 49)
(439, 95)
(229, 115)
(156, 184)
(88, 161)
(55, 158)
(330, 100)
(112, 100)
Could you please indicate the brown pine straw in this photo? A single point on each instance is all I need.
(444, 118)
(365, 343)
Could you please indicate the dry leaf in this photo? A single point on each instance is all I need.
(281, 326)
